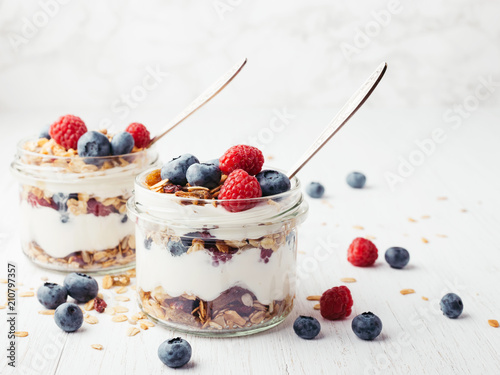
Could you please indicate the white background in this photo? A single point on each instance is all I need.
(85, 54)
(90, 55)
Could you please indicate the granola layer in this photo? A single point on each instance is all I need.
(117, 257)
(235, 309)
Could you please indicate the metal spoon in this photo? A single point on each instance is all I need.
(201, 100)
(347, 111)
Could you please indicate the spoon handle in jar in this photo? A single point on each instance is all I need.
(347, 111)
(201, 100)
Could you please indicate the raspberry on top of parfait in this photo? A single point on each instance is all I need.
(234, 180)
(68, 137)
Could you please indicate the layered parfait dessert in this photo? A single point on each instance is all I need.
(74, 185)
(216, 243)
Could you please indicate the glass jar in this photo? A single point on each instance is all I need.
(208, 271)
(73, 210)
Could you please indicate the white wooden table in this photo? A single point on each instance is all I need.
(416, 339)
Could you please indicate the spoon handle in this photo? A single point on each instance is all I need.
(201, 100)
(347, 111)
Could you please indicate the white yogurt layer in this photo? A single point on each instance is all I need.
(194, 273)
(221, 223)
(83, 232)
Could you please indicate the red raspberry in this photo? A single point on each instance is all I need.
(239, 185)
(362, 252)
(67, 131)
(336, 303)
(34, 201)
(98, 209)
(140, 134)
(248, 158)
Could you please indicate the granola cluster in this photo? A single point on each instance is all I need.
(236, 308)
(121, 255)
(155, 183)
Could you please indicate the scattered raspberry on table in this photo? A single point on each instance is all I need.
(336, 303)
(248, 158)
(362, 252)
(67, 131)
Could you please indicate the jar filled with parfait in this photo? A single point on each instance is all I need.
(74, 185)
(217, 243)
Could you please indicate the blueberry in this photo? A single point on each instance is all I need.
(61, 199)
(213, 161)
(356, 180)
(315, 190)
(68, 317)
(175, 352)
(207, 238)
(44, 133)
(451, 305)
(64, 218)
(81, 287)
(273, 182)
(176, 248)
(175, 169)
(122, 143)
(367, 326)
(147, 243)
(188, 238)
(51, 295)
(290, 240)
(306, 327)
(125, 218)
(94, 144)
(207, 175)
(397, 257)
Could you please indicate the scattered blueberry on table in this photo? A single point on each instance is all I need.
(51, 295)
(356, 180)
(68, 317)
(451, 305)
(397, 257)
(367, 326)
(315, 190)
(81, 287)
(306, 327)
(175, 352)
